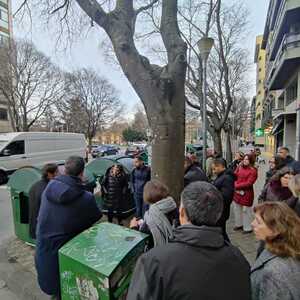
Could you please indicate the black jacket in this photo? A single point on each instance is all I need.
(35, 196)
(194, 173)
(196, 265)
(115, 190)
(293, 164)
(225, 184)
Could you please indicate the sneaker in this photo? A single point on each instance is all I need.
(236, 228)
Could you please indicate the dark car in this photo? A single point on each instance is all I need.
(132, 151)
(104, 151)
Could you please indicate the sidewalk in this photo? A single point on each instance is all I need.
(17, 258)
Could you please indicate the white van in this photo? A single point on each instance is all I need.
(19, 149)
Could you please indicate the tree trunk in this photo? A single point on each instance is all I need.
(228, 147)
(168, 150)
(217, 142)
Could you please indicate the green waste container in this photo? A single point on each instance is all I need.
(19, 184)
(98, 263)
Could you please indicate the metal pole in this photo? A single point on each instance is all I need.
(204, 125)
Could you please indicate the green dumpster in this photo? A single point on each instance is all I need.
(98, 263)
(19, 184)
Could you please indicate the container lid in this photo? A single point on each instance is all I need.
(103, 246)
(23, 179)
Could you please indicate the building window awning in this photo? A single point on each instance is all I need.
(278, 127)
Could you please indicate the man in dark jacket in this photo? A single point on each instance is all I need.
(66, 210)
(193, 172)
(140, 175)
(225, 184)
(198, 263)
(289, 161)
(49, 171)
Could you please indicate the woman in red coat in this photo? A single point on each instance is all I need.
(246, 175)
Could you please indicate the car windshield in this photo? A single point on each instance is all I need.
(102, 148)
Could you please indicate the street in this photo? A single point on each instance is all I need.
(6, 231)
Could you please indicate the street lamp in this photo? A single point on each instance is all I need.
(205, 45)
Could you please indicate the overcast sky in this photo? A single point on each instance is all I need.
(86, 52)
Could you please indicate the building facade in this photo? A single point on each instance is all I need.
(260, 61)
(5, 33)
(281, 41)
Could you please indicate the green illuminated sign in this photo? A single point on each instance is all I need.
(259, 132)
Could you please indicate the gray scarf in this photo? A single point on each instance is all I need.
(158, 223)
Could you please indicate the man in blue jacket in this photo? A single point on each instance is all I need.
(66, 210)
(140, 175)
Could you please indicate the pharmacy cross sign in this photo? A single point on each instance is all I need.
(259, 132)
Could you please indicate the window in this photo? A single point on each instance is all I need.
(3, 114)
(3, 14)
(16, 148)
(292, 92)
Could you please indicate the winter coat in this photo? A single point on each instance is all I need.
(197, 264)
(225, 184)
(273, 191)
(269, 175)
(292, 164)
(115, 190)
(35, 196)
(194, 173)
(139, 177)
(245, 179)
(275, 278)
(66, 210)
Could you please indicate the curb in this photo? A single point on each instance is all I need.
(20, 281)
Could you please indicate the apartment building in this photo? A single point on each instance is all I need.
(260, 61)
(281, 41)
(5, 33)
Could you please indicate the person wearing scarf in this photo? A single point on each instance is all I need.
(162, 216)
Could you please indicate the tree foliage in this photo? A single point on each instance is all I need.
(132, 135)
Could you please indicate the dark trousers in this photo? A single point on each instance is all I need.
(111, 214)
(141, 207)
(224, 232)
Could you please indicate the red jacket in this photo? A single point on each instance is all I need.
(245, 179)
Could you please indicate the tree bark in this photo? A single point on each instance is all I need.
(217, 142)
(228, 147)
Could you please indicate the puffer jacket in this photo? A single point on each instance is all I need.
(115, 189)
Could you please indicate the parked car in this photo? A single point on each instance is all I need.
(104, 150)
(35, 149)
(132, 151)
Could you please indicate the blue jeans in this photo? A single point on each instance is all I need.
(141, 207)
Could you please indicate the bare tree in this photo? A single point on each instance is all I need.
(227, 66)
(161, 88)
(90, 102)
(29, 82)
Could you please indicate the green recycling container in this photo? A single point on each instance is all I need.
(98, 263)
(19, 184)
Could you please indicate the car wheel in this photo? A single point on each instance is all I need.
(3, 177)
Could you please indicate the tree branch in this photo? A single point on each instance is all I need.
(146, 7)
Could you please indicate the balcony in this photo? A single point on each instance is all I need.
(288, 14)
(286, 62)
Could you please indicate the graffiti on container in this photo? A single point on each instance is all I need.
(86, 289)
(68, 288)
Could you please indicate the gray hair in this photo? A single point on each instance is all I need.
(74, 166)
(203, 203)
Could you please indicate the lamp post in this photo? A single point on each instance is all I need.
(204, 45)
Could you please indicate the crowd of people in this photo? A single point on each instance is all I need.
(190, 253)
